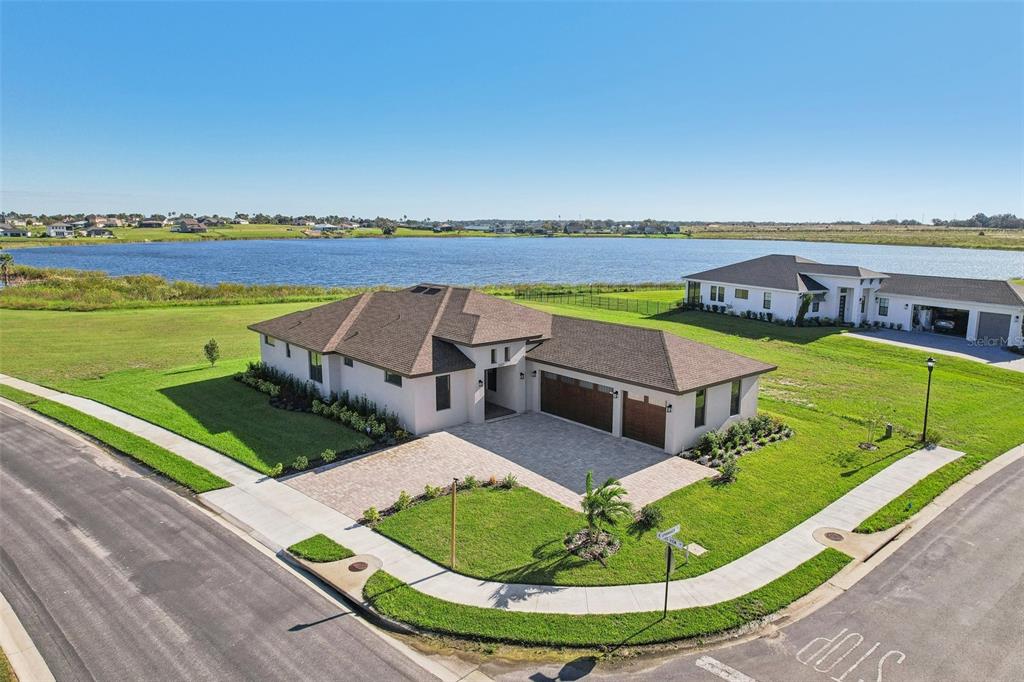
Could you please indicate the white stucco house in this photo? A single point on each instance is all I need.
(438, 356)
(981, 310)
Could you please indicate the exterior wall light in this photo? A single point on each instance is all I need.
(533, 374)
(615, 394)
(668, 408)
(479, 383)
(522, 376)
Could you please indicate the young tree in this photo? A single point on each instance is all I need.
(604, 504)
(212, 351)
(5, 264)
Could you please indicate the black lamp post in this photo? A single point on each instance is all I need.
(930, 362)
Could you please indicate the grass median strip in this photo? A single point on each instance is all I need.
(173, 466)
(320, 549)
(397, 600)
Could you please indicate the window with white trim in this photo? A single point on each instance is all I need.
(883, 306)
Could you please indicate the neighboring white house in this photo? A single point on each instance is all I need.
(62, 230)
(984, 310)
(438, 356)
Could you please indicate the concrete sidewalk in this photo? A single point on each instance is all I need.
(278, 516)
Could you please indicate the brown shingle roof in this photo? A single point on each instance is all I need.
(647, 357)
(413, 332)
(410, 332)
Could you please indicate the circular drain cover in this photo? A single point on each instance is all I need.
(834, 537)
(357, 566)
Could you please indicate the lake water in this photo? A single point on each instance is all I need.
(403, 261)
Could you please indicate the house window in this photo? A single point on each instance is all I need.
(268, 340)
(392, 378)
(767, 300)
(734, 398)
(717, 293)
(698, 408)
(347, 360)
(494, 355)
(815, 305)
(506, 354)
(443, 392)
(316, 367)
(492, 379)
(287, 349)
(693, 292)
(883, 307)
(742, 294)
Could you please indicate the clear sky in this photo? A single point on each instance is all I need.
(709, 111)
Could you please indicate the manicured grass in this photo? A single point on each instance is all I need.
(320, 549)
(397, 600)
(826, 386)
(144, 362)
(207, 405)
(662, 295)
(174, 467)
(6, 671)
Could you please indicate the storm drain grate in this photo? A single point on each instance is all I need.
(834, 537)
(357, 566)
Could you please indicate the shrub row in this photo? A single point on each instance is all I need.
(285, 391)
(372, 515)
(360, 414)
(716, 447)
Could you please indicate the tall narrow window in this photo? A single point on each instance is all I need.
(815, 305)
(316, 367)
(506, 354)
(883, 307)
(287, 349)
(698, 408)
(767, 300)
(494, 355)
(734, 398)
(721, 294)
(443, 392)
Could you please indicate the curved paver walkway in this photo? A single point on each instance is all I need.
(278, 516)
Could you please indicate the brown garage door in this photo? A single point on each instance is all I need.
(642, 420)
(580, 401)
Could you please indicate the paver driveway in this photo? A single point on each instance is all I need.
(549, 455)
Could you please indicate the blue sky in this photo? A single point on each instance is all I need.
(705, 111)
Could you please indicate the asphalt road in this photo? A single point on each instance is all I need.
(947, 606)
(116, 577)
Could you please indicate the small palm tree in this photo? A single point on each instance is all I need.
(604, 504)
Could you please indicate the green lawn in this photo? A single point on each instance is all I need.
(175, 467)
(662, 295)
(395, 599)
(826, 386)
(320, 549)
(144, 362)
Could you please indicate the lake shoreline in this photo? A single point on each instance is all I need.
(961, 238)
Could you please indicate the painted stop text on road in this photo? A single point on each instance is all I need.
(846, 657)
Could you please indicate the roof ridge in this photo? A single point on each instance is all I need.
(349, 320)
(668, 359)
(429, 338)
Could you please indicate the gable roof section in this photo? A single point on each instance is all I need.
(647, 357)
(781, 271)
(411, 331)
(992, 291)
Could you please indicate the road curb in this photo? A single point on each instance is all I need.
(21, 651)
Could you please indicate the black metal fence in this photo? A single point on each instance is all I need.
(592, 299)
